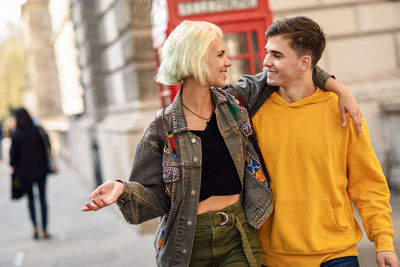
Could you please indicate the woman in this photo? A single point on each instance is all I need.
(28, 157)
(206, 182)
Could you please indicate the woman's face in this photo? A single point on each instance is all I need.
(218, 63)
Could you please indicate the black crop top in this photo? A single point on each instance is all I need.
(219, 176)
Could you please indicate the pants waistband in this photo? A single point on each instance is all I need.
(233, 216)
(225, 216)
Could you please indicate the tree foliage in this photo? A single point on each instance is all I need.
(12, 71)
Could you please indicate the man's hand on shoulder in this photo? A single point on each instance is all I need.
(384, 258)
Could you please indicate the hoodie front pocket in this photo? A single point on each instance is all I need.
(303, 225)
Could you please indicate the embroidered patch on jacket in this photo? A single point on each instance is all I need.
(170, 173)
(245, 127)
(255, 169)
(232, 109)
(160, 239)
(158, 243)
(170, 144)
(170, 176)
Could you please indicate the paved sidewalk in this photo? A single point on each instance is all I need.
(101, 239)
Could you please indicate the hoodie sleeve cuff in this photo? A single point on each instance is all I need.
(384, 243)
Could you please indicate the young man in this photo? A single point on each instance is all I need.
(317, 167)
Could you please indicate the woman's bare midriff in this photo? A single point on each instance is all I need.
(216, 203)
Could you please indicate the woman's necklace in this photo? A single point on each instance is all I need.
(201, 117)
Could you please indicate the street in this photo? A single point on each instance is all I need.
(101, 239)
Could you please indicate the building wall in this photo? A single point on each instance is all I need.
(42, 96)
(116, 60)
(66, 55)
(69, 85)
(363, 51)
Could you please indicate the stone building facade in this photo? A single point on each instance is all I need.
(363, 51)
(42, 94)
(116, 60)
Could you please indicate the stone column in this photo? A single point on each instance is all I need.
(82, 138)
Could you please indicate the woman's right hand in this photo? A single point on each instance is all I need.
(104, 195)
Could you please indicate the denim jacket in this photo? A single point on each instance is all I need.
(167, 183)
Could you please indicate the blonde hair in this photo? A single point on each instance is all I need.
(185, 53)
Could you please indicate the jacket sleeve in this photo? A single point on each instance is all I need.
(14, 151)
(320, 76)
(144, 196)
(250, 88)
(369, 190)
(254, 88)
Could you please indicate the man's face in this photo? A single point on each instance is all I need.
(281, 62)
(218, 63)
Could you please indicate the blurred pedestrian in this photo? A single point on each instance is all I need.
(29, 159)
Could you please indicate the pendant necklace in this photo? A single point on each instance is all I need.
(201, 117)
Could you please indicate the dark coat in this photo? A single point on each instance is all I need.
(28, 154)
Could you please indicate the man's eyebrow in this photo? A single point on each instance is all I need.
(275, 52)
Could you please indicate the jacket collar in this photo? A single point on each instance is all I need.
(179, 123)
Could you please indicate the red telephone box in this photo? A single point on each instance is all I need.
(243, 22)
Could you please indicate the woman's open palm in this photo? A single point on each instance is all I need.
(104, 195)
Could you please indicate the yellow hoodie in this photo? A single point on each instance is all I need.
(317, 169)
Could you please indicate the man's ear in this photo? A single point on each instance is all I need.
(305, 62)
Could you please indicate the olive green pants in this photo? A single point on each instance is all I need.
(224, 238)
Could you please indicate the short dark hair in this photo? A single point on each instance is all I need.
(24, 120)
(305, 35)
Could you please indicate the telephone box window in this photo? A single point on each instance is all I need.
(235, 43)
(257, 65)
(254, 41)
(239, 67)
